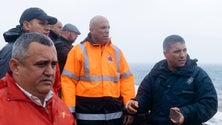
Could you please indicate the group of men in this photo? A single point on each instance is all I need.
(97, 86)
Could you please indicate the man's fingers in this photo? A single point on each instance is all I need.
(132, 106)
(132, 110)
(128, 119)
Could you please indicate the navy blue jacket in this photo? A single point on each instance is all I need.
(188, 88)
(10, 36)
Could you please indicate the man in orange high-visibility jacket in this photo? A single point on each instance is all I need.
(96, 80)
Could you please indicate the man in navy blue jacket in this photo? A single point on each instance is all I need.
(32, 20)
(176, 91)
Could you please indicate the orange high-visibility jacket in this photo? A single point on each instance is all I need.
(96, 72)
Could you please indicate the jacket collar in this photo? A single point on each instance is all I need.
(89, 39)
(14, 92)
(62, 39)
(161, 68)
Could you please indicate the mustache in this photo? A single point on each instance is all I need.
(48, 78)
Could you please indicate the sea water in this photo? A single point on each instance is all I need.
(140, 70)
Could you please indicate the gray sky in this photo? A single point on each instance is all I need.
(138, 27)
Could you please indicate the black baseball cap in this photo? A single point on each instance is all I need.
(36, 13)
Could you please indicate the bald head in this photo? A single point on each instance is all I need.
(57, 27)
(99, 29)
(96, 20)
(59, 23)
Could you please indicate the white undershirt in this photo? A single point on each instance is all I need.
(35, 99)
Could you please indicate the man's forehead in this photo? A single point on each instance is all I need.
(177, 46)
(39, 20)
(36, 46)
(37, 50)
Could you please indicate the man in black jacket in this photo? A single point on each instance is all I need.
(31, 20)
(63, 44)
(176, 91)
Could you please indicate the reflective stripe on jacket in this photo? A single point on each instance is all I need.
(108, 116)
(94, 72)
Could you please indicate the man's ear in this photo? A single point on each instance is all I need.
(91, 29)
(165, 53)
(26, 26)
(14, 65)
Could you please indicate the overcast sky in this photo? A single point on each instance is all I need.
(138, 27)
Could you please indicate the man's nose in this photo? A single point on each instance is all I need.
(50, 70)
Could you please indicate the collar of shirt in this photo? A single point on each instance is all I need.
(35, 99)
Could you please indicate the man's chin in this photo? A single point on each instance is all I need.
(46, 89)
(181, 65)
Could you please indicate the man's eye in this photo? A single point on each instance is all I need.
(177, 51)
(105, 27)
(41, 64)
(54, 64)
(43, 23)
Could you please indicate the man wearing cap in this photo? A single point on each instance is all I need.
(32, 20)
(64, 43)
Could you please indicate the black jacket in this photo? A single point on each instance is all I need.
(62, 47)
(188, 88)
(10, 36)
(53, 36)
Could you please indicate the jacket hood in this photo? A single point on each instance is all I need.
(12, 34)
(88, 38)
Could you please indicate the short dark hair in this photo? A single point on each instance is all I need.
(170, 40)
(21, 45)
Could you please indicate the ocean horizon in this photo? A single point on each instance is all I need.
(140, 70)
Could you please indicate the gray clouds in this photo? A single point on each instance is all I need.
(138, 27)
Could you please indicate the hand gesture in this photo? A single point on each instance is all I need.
(176, 116)
(131, 106)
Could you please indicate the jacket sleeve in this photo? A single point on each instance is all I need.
(5, 56)
(127, 86)
(143, 95)
(69, 78)
(205, 101)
